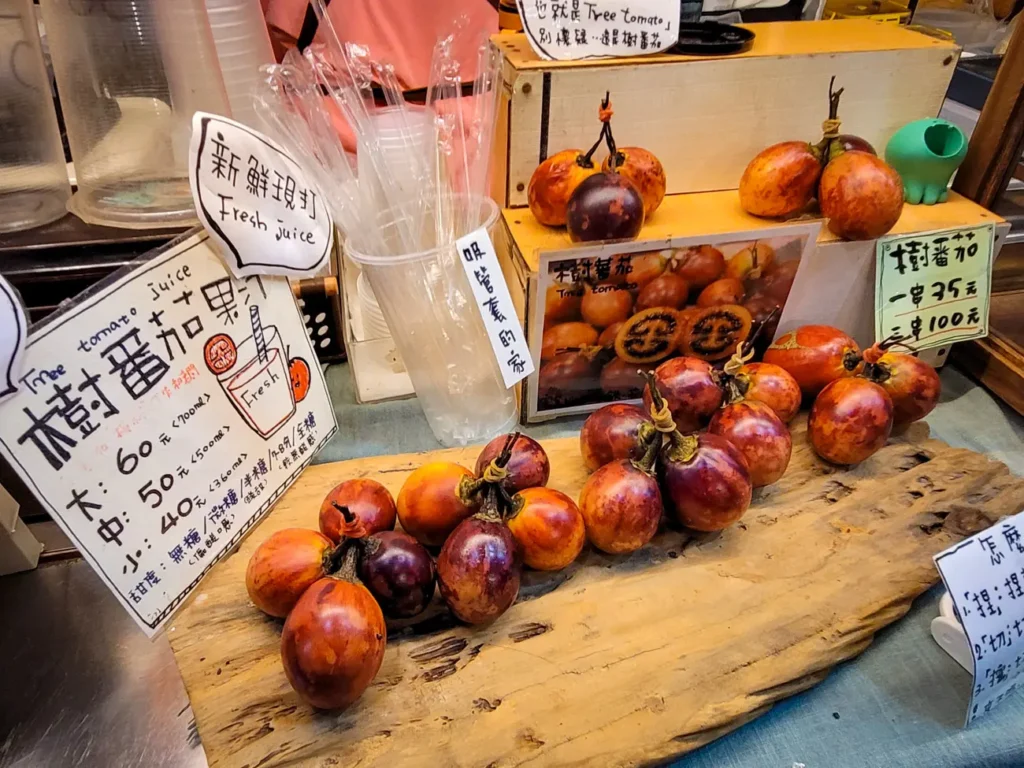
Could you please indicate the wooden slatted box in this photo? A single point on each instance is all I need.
(706, 117)
(835, 284)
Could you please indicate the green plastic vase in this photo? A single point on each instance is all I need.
(925, 153)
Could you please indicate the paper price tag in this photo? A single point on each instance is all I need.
(495, 306)
(584, 29)
(256, 202)
(159, 418)
(933, 288)
(985, 578)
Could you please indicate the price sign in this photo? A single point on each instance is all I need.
(985, 578)
(495, 306)
(256, 202)
(584, 29)
(160, 417)
(933, 288)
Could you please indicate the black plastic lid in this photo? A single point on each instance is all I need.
(709, 38)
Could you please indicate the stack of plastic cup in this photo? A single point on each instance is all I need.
(243, 44)
(374, 324)
(34, 185)
(438, 330)
(405, 153)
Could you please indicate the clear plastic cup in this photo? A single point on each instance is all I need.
(432, 314)
(374, 324)
(243, 44)
(407, 148)
(34, 187)
(130, 74)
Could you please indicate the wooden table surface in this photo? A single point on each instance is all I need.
(614, 661)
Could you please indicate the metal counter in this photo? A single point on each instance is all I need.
(80, 684)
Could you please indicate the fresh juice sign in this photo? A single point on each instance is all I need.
(159, 418)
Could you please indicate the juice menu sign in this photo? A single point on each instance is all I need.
(160, 417)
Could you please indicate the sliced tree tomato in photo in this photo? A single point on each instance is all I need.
(298, 371)
(714, 332)
(648, 336)
(220, 353)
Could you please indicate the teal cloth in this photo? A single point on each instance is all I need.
(901, 703)
(396, 426)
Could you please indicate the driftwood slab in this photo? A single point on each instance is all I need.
(615, 661)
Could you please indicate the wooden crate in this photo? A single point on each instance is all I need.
(834, 286)
(706, 117)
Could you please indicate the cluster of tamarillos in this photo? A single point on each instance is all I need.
(703, 439)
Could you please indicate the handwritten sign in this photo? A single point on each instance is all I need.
(159, 418)
(933, 288)
(13, 329)
(495, 306)
(985, 578)
(256, 202)
(584, 29)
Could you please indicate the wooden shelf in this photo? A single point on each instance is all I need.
(770, 39)
(717, 213)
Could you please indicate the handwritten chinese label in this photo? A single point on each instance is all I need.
(985, 578)
(256, 202)
(583, 29)
(158, 419)
(933, 288)
(495, 306)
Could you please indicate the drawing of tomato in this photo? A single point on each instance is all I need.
(298, 370)
(220, 353)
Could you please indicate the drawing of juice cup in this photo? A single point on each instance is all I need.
(258, 384)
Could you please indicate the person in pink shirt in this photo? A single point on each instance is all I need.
(400, 32)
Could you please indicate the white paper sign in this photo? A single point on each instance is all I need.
(584, 29)
(160, 417)
(985, 578)
(13, 329)
(495, 305)
(932, 288)
(257, 203)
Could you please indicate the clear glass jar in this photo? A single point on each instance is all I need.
(34, 187)
(130, 74)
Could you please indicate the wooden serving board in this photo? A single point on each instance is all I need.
(616, 660)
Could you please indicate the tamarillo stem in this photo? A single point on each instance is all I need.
(833, 99)
(506, 450)
(748, 345)
(585, 161)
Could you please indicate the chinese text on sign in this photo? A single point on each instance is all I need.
(159, 418)
(985, 578)
(580, 29)
(256, 202)
(495, 306)
(933, 288)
